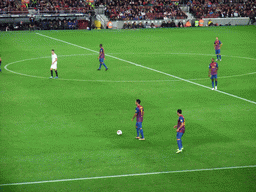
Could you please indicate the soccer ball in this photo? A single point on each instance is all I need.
(119, 132)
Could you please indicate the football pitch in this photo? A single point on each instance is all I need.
(60, 134)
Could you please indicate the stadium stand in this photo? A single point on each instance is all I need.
(143, 10)
(222, 8)
(45, 6)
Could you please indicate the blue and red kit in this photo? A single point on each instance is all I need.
(181, 120)
(213, 66)
(102, 54)
(217, 44)
(181, 131)
(140, 112)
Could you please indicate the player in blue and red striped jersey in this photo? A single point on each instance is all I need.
(102, 58)
(0, 64)
(180, 130)
(139, 114)
(217, 45)
(213, 70)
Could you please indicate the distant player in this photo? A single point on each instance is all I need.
(217, 45)
(102, 58)
(180, 130)
(213, 70)
(0, 64)
(139, 113)
(54, 65)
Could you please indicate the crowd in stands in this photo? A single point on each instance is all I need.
(44, 24)
(45, 6)
(222, 8)
(143, 9)
(12, 6)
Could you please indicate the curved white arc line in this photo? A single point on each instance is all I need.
(107, 81)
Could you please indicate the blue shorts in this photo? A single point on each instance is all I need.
(213, 76)
(179, 135)
(139, 125)
(217, 51)
(101, 60)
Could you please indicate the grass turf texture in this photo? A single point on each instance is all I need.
(66, 128)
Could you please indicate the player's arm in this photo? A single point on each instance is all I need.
(220, 45)
(54, 60)
(134, 116)
(181, 125)
(100, 54)
(136, 113)
(209, 74)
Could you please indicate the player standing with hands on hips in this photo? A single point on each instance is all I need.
(217, 45)
(213, 70)
(139, 113)
(54, 65)
(180, 130)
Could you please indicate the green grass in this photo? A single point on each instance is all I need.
(66, 128)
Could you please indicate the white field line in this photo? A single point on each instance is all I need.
(107, 81)
(129, 175)
(231, 95)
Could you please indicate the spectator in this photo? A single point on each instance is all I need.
(168, 24)
(188, 24)
(210, 23)
(201, 22)
(163, 25)
(70, 25)
(140, 25)
(196, 23)
(134, 25)
(236, 14)
(152, 25)
(180, 24)
(129, 25)
(173, 24)
(147, 25)
(125, 26)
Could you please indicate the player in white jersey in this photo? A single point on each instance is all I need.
(54, 65)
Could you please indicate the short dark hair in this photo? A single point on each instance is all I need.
(138, 101)
(179, 111)
(101, 45)
(52, 49)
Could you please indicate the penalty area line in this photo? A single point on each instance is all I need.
(151, 69)
(129, 175)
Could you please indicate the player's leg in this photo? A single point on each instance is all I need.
(216, 83)
(141, 132)
(56, 72)
(216, 52)
(100, 63)
(212, 78)
(51, 73)
(105, 65)
(139, 126)
(138, 131)
(219, 56)
(179, 135)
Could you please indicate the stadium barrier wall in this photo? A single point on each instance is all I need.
(220, 21)
(228, 21)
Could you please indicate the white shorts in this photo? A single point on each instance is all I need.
(54, 66)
